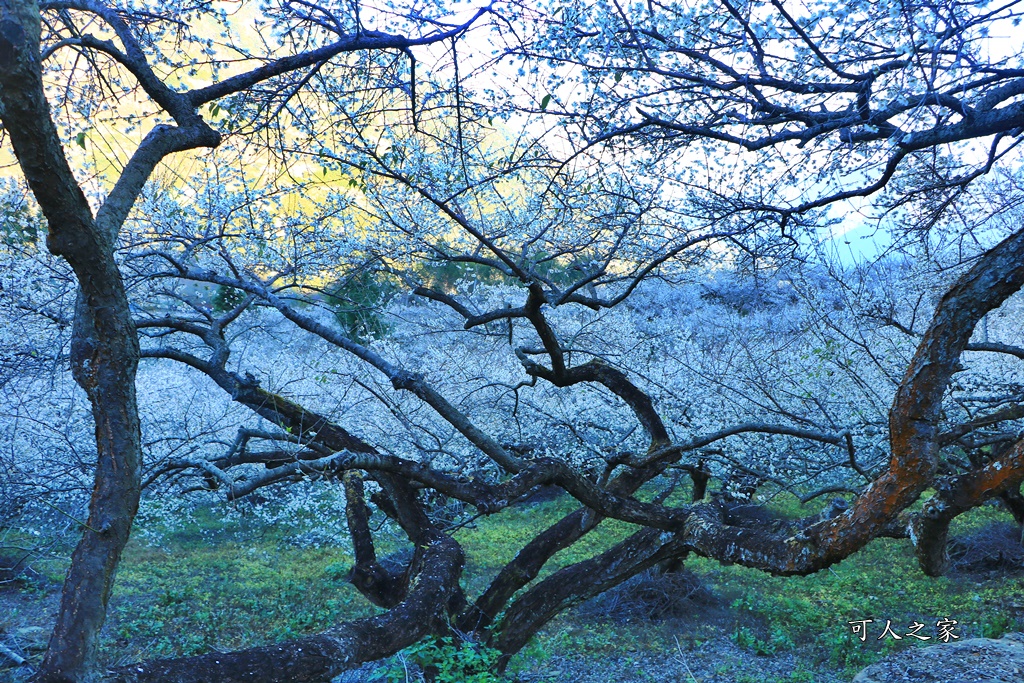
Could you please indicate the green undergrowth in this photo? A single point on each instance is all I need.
(221, 583)
(881, 584)
(225, 585)
(810, 617)
(493, 542)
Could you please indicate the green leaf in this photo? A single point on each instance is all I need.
(544, 103)
(214, 109)
(80, 139)
(618, 76)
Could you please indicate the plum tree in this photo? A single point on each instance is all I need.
(602, 217)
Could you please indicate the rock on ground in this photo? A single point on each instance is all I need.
(978, 660)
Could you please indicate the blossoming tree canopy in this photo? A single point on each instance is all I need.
(457, 257)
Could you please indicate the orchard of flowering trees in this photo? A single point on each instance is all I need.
(433, 255)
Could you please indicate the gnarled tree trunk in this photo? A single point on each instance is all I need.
(104, 352)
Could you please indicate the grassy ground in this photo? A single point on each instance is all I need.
(211, 584)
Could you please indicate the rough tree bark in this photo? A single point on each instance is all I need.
(104, 352)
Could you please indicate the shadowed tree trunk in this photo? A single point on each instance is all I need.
(104, 347)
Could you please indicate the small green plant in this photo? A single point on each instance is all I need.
(995, 625)
(445, 660)
(338, 571)
(20, 226)
(357, 300)
(801, 675)
(226, 298)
